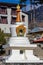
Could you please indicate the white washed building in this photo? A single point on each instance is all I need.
(8, 16)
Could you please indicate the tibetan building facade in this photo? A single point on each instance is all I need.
(8, 16)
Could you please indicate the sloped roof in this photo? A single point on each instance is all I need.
(37, 29)
(10, 4)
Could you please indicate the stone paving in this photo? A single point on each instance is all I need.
(1, 63)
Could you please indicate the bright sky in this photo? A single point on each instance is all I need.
(10, 1)
(13, 1)
(17, 1)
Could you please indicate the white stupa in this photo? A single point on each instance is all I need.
(20, 48)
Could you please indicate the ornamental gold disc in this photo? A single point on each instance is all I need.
(20, 30)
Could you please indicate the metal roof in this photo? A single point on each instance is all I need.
(37, 29)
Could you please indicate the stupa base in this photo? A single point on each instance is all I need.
(26, 57)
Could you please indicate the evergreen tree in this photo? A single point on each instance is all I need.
(2, 38)
(23, 2)
(2, 42)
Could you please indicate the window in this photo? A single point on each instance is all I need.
(2, 51)
(0, 19)
(0, 10)
(3, 10)
(23, 18)
(13, 12)
(13, 20)
(4, 20)
(8, 52)
(21, 51)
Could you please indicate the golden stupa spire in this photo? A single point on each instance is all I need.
(18, 13)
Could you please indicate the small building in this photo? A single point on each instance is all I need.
(37, 31)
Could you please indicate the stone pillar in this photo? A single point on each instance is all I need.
(9, 15)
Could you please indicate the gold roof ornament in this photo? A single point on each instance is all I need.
(42, 35)
(18, 13)
(18, 7)
(20, 30)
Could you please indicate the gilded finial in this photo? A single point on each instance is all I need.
(18, 7)
(18, 13)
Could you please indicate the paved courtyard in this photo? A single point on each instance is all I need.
(1, 63)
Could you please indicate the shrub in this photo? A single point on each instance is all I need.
(2, 38)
